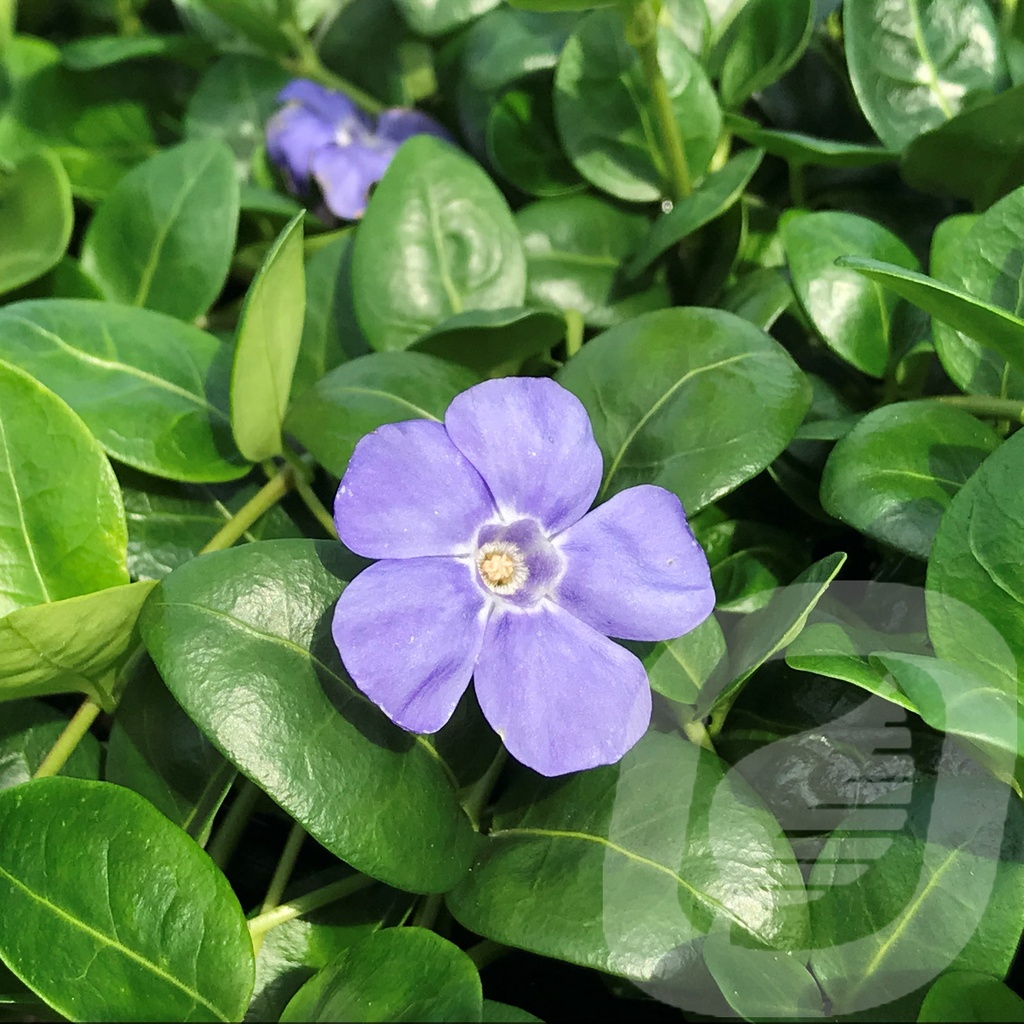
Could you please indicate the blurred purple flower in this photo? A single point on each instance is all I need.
(322, 135)
(491, 567)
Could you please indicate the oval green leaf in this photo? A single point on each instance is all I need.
(35, 218)
(438, 17)
(437, 239)
(970, 996)
(163, 238)
(243, 640)
(267, 346)
(695, 400)
(151, 388)
(894, 475)
(398, 974)
(62, 525)
(95, 878)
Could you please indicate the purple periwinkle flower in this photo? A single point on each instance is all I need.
(491, 567)
(321, 135)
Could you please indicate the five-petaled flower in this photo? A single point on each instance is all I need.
(322, 135)
(492, 568)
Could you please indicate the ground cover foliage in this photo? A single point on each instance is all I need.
(774, 247)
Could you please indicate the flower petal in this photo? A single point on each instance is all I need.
(294, 134)
(346, 174)
(561, 696)
(400, 123)
(633, 569)
(335, 108)
(409, 632)
(409, 491)
(532, 442)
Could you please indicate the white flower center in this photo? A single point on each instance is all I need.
(502, 567)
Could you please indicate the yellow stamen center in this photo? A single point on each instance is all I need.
(502, 567)
(497, 568)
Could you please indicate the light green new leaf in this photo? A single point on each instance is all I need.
(164, 236)
(970, 997)
(35, 218)
(267, 346)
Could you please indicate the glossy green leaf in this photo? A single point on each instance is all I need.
(291, 953)
(398, 974)
(438, 17)
(913, 63)
(170, 523)
(760, 296)
(523, 145)
(94, 876)
(267, 346)
(359, 396)
(28, 730)
(69, 645)
(575, 247)
(934, 884)
(163, 238)
(487, 341)
(895, 473)
(991, 326)
(243, 640)
(978, 155)
(232, 103)
(763, 41)
(151, 388)
(437, 239)
(602, 103)
(35, 218)
(716, 194)
(698, 418)
(799, 149)
(678, 668)
(857, 318)
(970, 996)
(975, 575)
(624, 868)
(62, 527)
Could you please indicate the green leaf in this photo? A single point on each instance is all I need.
(151, 388)
(233, 102)
(35, 218)
(698, 418)
(763, 41)
(623, 868)
(975, 589)
(487, 341)
(267, 346)
(895, 473)
(70, 645)
(970, 996)
(438, 17)
(716, 194)
(575, 247)
(857, 318)
(28, 731)
(799, 149)
(602, 108)
(502, 1013)
(242, 639)
(978, 155)
(398, 974)
(678, 668)
(760, 296)
(62, 527)
(107, 910)
(256, 20)
(914, 63)
(163, 237)
(925, 889)
(994, 327)
(357, 397)
(437, 239)
(91, 52)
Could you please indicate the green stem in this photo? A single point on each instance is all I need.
(985, 407)
(642, 35)
(573, 332)
(476, 800)
(260, 503)
(309, 496)
(307, 64)
(8, 17)
(262, 923)
(128, 23)
(486, 952)
(200, 818)
(285, 866)
(797, 192)
(230, 832)
(426, 913)
(72, 735)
